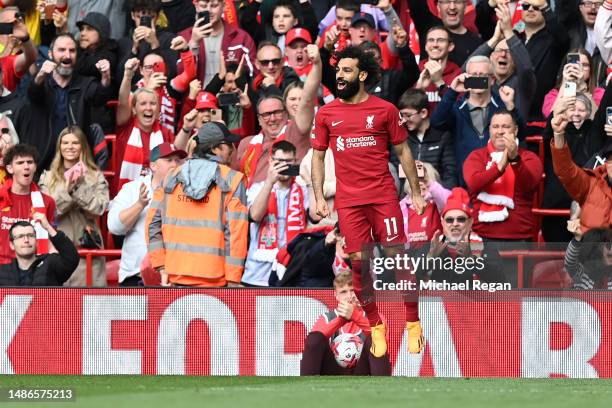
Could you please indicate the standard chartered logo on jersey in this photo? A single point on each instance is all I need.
(354, 142)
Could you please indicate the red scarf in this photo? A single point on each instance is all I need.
(38, 205)
(499, 196)
(167, 106)
(134, 156)
(267, 240)
(248, 163)
(260, 77)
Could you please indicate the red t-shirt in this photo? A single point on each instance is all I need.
(359, 136)
(10, 77)
(20, 210)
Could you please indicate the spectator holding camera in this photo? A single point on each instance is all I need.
(578, 18)
(30, 269)
(278, 210)
(502, 179)
(469, 117)
(146, 37)
(20, 198)
(592, 189)
(81, 195)
(211, 35)
(585, 138)
(577, 76)
(588, 259)
(511, 61)
(15, 66)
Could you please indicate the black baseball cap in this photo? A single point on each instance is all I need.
(213, 133)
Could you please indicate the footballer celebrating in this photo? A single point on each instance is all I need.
(358, 127)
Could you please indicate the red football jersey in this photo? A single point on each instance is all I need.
(359, 135)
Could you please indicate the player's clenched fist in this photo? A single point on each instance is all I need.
(322, 208)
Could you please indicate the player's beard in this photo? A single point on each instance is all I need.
(351, 89)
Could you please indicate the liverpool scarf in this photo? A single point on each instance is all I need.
(134, 157)
(248, 163)
(267, 239)
(499, 196)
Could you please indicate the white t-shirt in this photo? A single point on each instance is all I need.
(212, 46)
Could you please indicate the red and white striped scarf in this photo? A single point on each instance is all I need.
(267, 240)
(134, 157)
(167, 106)
(499, 196)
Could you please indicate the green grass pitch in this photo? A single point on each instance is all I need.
(317, 392)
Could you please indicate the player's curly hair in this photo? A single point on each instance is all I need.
(366, 62)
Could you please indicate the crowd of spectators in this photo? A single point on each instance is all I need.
(212, 104)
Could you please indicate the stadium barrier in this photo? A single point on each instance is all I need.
(261, 332)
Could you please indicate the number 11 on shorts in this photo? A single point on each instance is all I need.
(391, 225)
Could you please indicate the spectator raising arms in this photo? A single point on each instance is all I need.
(51, 109)
(592, 189)
(15, 66)
(81, 194)
(138, 128)
(146, 37)
(275, 126)
(208, 41)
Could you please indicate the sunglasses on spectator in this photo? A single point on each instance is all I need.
(591, 4)
(527, 6)
(5, 130)
(268, 115)
(451, 1)
(274, 61)
(451, 220)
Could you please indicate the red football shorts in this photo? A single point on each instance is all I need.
(372, 223)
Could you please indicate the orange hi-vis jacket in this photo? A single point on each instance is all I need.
(199, 242)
